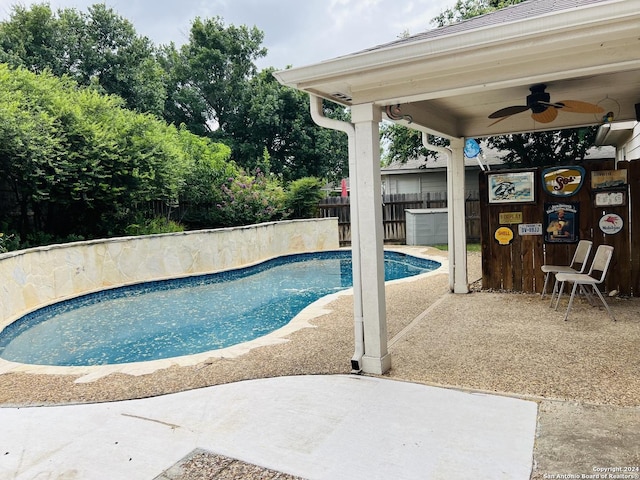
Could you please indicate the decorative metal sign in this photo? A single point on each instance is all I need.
(610, 199)
(608, 179)
(509, 218)
(511, 187)
(563, 181)
(504, 235)
(561, 222)
(611, 223)
(530, 229)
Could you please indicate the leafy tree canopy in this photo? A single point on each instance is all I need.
(209, 74)
(539, 149)
(466, 9)
(210, 84)
(274, 132)
(98, 48)
(76, 161)
(76, 164)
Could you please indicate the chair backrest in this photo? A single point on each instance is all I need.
(600, 263)
(579, 261)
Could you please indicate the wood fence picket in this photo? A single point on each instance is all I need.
(393, 214)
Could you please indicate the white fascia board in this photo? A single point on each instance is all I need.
(449, 47)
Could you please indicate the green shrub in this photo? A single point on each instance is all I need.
(303, 196)
(247, 199)
(151, 226)
(9, 242)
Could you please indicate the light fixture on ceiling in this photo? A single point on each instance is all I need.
(394, 112)
(543, 110)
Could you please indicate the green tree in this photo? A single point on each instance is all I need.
(29, 138)
(403, 143)
(248, 199)
(209, 74)
(538, 149)
(97, 48)
(274, 131)
(466, 9)
(210, 84)
(184, 103)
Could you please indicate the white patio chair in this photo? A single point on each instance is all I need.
(578, 265)
(595, 277)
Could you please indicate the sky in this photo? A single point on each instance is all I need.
(296, 32)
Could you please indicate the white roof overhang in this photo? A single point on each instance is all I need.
(449, 80)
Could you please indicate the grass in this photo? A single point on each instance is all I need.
(471, 247)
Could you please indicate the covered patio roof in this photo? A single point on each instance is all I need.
(450, 79)
(447, 82)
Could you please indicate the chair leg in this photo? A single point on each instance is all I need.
(585, 291)
(603, 302)
(573, 293)
(544, 287)
(553, 292)
(559, 294)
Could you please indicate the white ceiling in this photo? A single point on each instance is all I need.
(449, 83)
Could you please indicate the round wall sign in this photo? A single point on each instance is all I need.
(504, 235)
(611, 223)
(471, 148)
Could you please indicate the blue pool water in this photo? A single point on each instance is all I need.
(170, 318)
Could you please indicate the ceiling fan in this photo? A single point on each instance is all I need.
(543, 110)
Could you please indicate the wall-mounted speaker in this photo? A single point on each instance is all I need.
(637, 105)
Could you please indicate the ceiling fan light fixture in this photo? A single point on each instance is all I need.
(542, 109)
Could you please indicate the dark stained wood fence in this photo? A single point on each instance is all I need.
(393, 214)
(516, 266)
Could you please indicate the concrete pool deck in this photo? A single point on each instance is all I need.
(315, 427)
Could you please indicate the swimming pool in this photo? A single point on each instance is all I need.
(170, 318)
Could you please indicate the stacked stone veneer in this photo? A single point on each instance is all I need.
(39, 276)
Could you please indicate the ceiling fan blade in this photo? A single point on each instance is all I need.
(500, 119)
(576, 106)
(549, 104)
(508, 111)
(548, 116)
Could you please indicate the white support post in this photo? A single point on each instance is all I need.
(368, 189)
(458, 277)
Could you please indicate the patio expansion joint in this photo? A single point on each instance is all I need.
(416, 321)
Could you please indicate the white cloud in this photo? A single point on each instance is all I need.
(296, 33)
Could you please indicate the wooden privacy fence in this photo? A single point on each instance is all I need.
(516, 266)
(393, 214)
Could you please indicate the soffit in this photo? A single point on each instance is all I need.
(448, 83)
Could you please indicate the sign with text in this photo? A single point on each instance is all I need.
(561, 222)
(608, 179)
(503, 235)
(511, 187)
(611, 223)
(610, 199)
(507, 218)
(563, 181)
(530, 229)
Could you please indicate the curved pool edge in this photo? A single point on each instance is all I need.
(91, 373)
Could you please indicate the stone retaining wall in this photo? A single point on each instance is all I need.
(39, 276)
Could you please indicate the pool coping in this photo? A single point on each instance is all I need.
(302, 320)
